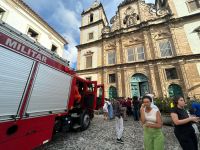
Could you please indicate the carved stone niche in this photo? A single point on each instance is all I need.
(130, 40)
(162, 34)
(88, 53)
(131, 18)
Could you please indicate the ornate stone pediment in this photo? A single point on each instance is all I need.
(130, 40)
(162, 34)
(88, 53)
(109, 45)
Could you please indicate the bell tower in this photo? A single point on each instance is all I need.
(90, 49)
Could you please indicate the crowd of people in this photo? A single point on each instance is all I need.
(130, 107)
(144, 110)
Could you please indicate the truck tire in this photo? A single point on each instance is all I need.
(85, 120)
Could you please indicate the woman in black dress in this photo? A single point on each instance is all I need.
(183, 130)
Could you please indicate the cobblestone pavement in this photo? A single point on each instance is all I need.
(101, 136)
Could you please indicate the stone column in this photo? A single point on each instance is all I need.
(184, 79)
(153, 79)
(119, 82)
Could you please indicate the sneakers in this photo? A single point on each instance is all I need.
(120, 141)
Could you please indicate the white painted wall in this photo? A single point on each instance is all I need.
(86, 17)
(85, 34)
(182, 8)
(95, 57)
(192, 36)
(21, 21)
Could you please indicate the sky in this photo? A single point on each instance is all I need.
(65, 17)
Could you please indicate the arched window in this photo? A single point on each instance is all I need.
(91, 17)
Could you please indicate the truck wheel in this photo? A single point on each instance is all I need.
(85, 121)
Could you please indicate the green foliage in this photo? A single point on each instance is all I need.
(164, 104)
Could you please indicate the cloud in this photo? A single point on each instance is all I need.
(71, 52)
(66, 18)
(79, 7)
(150, 1)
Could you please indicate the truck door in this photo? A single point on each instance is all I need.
(90, 95)
(100, 96)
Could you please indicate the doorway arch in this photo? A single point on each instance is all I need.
(139, 85)
(112, 92)
(174, 90)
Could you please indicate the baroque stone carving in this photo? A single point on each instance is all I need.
(125, 2)
(106, 29)
(115, 23)
(131, 18)
(132, 40)
(149, 11)
(88, 53)
(161, 34)
(109, 45)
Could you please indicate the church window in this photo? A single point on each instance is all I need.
(171, 73)
(91, 17)
(165, 48)
(130, 54)
(135, 53)
(91, 36)
(89, 61)
(112, 78)
(111, 57)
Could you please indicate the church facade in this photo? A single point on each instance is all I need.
(143, 50)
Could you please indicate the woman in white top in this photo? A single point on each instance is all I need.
(105, 110)
(152, 124)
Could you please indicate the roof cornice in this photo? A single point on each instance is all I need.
(91, 9)
(88, 44)
(92, 24)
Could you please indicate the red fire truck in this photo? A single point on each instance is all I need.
(37, 93)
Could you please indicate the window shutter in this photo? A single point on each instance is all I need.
(88, 61)
(111, 57)
(140, 53)
(165, 48)
(130, 54)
